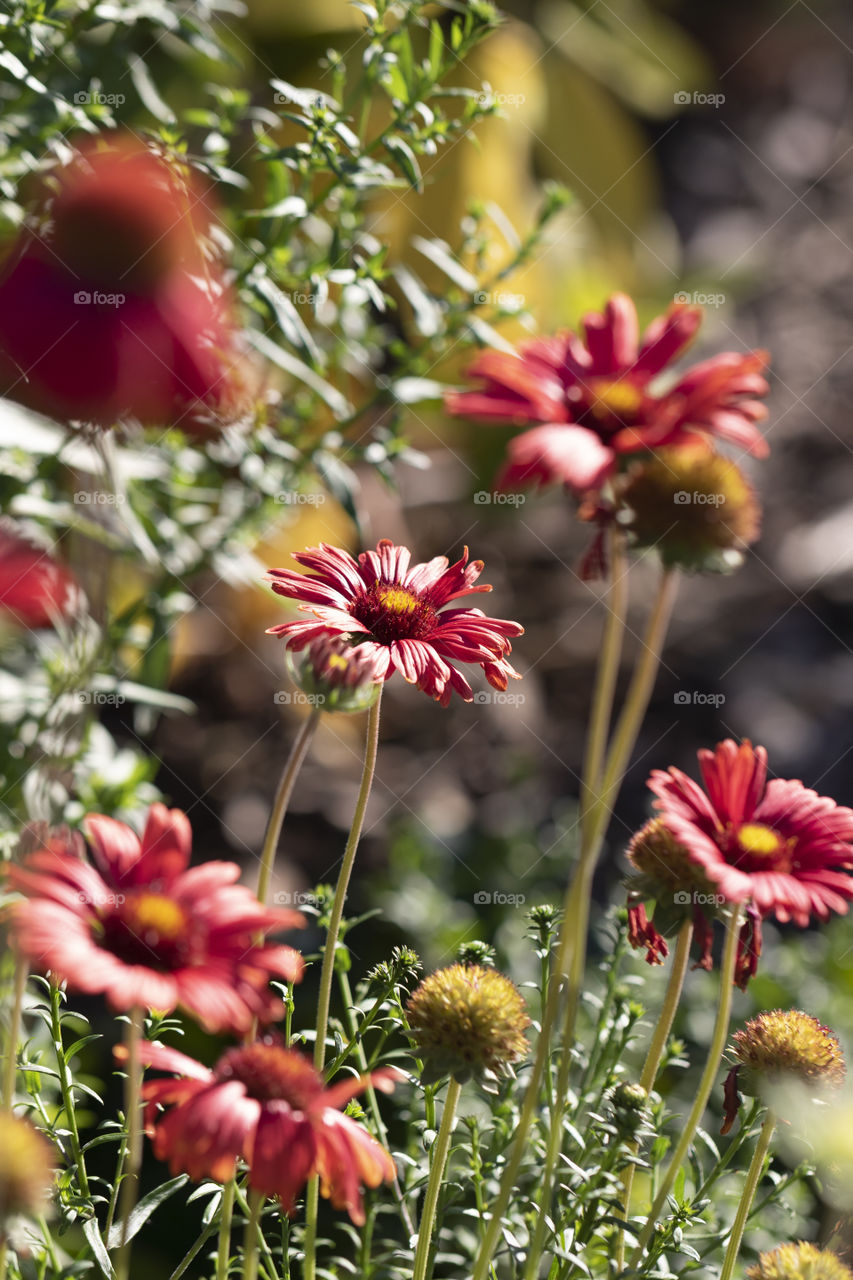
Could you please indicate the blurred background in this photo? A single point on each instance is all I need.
(709, 147)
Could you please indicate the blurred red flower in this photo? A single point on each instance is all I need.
(267, 1105)
(146, 929)
(110, 307)
(777, 844)
(393, 613)
(595, 400)
(34, 589)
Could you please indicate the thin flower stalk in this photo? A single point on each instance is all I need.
(133, 1120)
(438, 1163)
(706, 1084)
(226, 1213)
(281, 800)
(253, 1230)
(10, 1065)
(596, 807)
(678, 972)
(754, 1175)
(328, 967)
(67, 1090)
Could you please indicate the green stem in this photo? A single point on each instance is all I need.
(193, 1251)
(597, 797)
(250, 1245)
(133, 1120)
(282, 799)
(10, 1066)
(706, 1084)
(67, 1090)
(680, 961)
(223, 1252)
(753, 1177)
(439, 1154)
(329, 956)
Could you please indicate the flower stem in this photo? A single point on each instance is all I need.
(607, 672)
(133, 1120)
(250, 1245)
(597, 797)
(753, 1177)
(680, 961)
(282, 798)
(223, 1252)
(10, 1066)
(67, 1090)
(329, 955)
(706, 1084)
(440, 1151)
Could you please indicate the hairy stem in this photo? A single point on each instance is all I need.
(329, 954)
(133, 1120)
(753, 1177)
(439, 1154)
(281, 800)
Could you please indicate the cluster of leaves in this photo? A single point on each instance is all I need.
(341, 338)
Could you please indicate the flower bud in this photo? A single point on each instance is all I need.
(694, 506)
(334, 675)
(779, 1046)
(801, 1261)
(467, 1021)
(26, 1168)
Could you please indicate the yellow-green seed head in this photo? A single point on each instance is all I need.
(783, 1044)
(800, 1261)
(694, 506)
(467, 1021)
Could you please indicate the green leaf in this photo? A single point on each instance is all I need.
(93, 1236)
(404, 156)
(144, 1209)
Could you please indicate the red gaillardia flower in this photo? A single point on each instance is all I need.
(267, 1105)
(112, 307)
(146, 929)
(34, 589)
(395, 614)
(597, 401)
(775, 844)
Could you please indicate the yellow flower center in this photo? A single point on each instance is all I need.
(155, 918)
(398, 600)
(619, 399)
(760, 841)
(337, 662)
